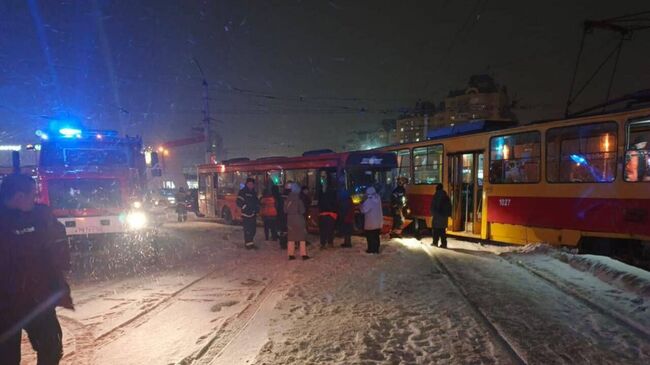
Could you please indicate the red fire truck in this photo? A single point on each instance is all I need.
(93, 180)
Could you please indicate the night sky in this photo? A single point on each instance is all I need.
(287, 76)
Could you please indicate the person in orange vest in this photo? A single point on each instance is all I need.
(269, 214)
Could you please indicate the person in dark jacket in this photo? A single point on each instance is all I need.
(249, 204)
(327, 216)
(440, 211)
(305, 196)
(181, 204)
(34, 258)
(397, 204)
(346, 217)
(280, 198)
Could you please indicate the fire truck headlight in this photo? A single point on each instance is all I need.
(136, 205)
(136, 220)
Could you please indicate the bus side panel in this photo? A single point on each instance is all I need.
(228, 203)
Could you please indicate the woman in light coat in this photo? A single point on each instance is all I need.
(373, 219)
(296, 225)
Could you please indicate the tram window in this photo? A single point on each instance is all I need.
(583, 153)
(427, 163)
(637, 152)
(515, 158)
(404, 163)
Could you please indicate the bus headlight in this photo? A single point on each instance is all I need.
(136, 220)
(357, 199)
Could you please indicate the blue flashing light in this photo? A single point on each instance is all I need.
(70, 132)
(578, 159)
(42, 135)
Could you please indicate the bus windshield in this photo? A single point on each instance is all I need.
(360, 178)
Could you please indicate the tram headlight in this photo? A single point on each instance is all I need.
(136, 220)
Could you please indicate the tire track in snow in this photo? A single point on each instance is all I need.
(501, 340)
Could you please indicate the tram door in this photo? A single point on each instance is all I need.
(466, 191)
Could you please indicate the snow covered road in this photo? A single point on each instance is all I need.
(215, 303)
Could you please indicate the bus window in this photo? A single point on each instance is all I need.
(297, 176)
(427, 162)
(326, 178)
(404, 163)
(515, 159)
(311, 182)
(637, 151)
(225, 183)
(583, 153)
(239, 181)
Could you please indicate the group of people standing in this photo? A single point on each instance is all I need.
(285, 216)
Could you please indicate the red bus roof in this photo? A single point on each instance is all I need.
(376, 158)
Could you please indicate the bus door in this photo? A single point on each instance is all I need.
(466, 191)
(208, 194)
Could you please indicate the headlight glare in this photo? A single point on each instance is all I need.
(136, 220)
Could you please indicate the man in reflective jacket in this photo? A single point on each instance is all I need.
(249, 204)
(34, 258)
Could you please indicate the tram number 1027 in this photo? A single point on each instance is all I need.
(505, 202)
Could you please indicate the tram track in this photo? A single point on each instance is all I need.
(86, 343)
(235, 325)
(499, 338)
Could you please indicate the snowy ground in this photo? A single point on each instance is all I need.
(206, 300)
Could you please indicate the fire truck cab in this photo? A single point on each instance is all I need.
(93, 180)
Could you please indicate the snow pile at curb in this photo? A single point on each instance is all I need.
(606, 269)
(610, 271)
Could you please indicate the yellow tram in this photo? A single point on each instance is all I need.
(577, 182)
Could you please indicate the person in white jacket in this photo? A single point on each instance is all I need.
(373, 219)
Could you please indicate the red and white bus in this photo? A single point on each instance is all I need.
(354, 171)
(94, 181)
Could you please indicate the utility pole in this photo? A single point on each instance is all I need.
(209, 148)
